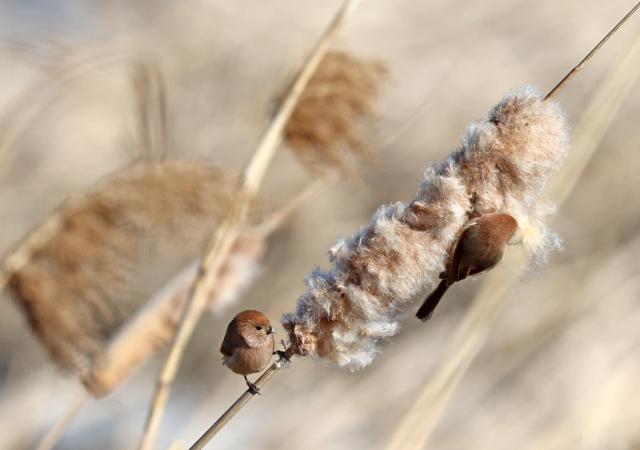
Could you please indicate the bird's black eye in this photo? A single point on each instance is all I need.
(258, 328)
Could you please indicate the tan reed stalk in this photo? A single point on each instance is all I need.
(228, 230)
(593, 51)
(423, 416)
(241, 402)
(56, 432)
(151, 110)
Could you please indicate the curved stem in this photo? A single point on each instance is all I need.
(593, 51)
(239, 404)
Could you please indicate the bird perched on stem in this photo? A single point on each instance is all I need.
(478, 248)
(248, 345)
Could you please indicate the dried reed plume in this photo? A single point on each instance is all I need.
(72, 287)
(501, 166)
(327, 122)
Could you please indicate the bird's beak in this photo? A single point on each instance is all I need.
(271, 330)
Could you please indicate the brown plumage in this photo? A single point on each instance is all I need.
(478, 248)
(248, 344)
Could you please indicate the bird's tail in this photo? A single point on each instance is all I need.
(430, 303)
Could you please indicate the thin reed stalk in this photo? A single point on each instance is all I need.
(55, 433)
(593, 51)
(226, 234)
(235, 408)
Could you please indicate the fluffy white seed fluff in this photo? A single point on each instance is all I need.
(502, 165)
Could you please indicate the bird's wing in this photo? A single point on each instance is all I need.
(232, 340)
(454, 274)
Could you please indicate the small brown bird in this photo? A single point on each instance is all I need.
(248, 344)
(479, 247)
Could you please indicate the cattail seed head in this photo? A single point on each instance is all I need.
(502, 166)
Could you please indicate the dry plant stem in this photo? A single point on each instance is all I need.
(238, 404)
(228, 230)
(56, 432)
(596, 120)
(593, 51)
(151, 110)
(277, 219)
(425, 413)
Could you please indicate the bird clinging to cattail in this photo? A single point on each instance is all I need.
(248, 344)
(478, 248)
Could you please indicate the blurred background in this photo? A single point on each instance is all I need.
(561, 365)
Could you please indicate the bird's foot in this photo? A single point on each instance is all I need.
(284, 359)
(255, 390)
(282, 356)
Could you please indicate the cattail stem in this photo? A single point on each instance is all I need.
(239, 404)
(226, 234)
(593, 51)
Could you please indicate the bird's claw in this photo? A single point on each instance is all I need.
(284, 359)
(253, 388)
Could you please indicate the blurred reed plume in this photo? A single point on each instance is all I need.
(72, 287)
(502, 166)
(327, 123)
